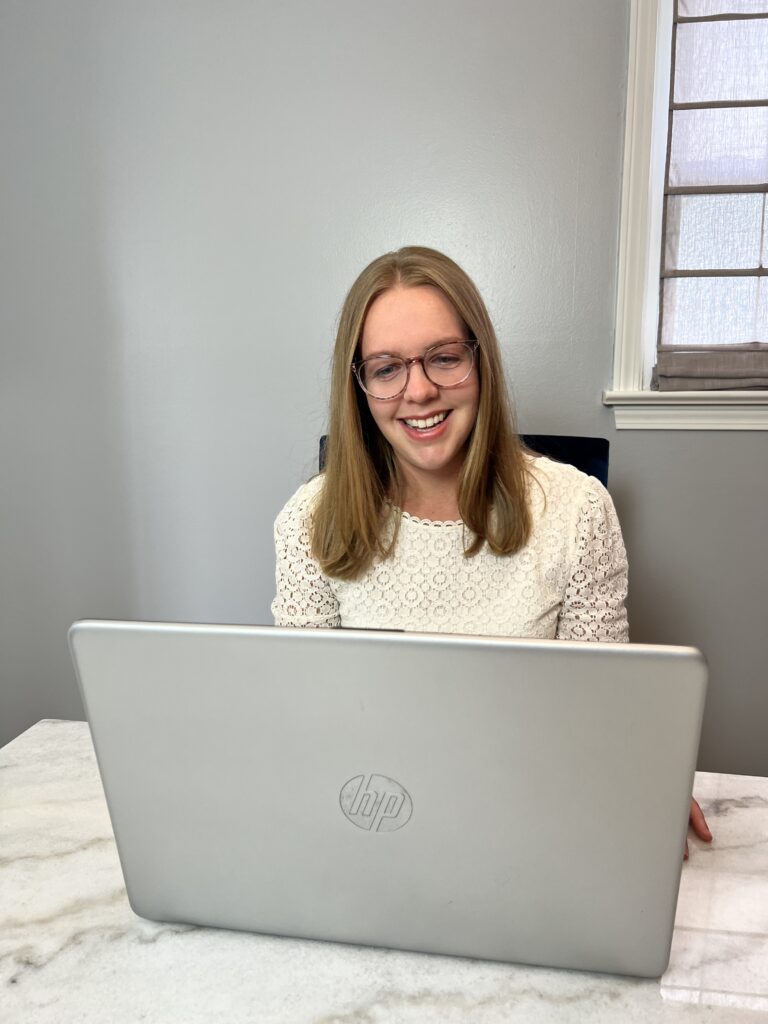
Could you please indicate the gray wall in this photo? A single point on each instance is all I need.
(189, 188)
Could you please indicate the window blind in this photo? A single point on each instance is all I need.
(713, 308)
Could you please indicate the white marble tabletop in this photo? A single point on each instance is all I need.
(71, 949)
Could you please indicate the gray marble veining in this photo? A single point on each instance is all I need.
(72, 950)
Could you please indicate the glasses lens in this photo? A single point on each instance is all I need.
(449, 364)
(383, 377)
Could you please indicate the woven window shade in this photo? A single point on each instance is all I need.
(713, 325)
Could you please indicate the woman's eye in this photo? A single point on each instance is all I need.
(384, 372)
(445, 361)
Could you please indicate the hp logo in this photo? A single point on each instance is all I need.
(375, 803)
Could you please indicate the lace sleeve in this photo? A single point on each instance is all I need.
(593, 608)
(304, 595)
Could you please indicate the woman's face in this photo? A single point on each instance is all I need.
(406, 322)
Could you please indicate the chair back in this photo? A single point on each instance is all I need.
(589, 454)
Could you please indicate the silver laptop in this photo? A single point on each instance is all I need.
(504, 799)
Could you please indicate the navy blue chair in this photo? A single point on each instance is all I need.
(589, 454)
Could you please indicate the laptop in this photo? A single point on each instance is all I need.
(513, 800)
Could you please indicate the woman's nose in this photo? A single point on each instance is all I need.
(419, 387)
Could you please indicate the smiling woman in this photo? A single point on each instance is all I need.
(430, 515)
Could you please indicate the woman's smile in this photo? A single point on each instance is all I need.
(430, 421)
(426, 426)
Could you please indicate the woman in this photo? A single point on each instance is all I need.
(430, 515)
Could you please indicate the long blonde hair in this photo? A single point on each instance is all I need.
(353, 512)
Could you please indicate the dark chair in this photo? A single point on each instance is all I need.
(589, 454)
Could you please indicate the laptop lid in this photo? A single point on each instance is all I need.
(495, 798)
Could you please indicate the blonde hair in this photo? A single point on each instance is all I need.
(350, 522)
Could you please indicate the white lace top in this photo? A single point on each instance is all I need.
(569, 581)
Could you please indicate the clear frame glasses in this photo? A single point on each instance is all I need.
(446, 365)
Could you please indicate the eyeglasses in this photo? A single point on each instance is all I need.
(446, 365)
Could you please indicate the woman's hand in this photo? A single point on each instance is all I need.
(698, 823)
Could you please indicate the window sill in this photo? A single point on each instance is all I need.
(689, 410)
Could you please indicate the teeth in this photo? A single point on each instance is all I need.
(432, 421)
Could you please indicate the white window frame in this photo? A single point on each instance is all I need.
(635, 406)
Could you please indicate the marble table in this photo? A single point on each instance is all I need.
(71, 949)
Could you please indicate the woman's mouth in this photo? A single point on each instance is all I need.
(427, 425)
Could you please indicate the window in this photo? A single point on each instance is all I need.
(714, 293)
(696, 163)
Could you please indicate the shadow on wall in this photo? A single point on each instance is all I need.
(65, 547)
